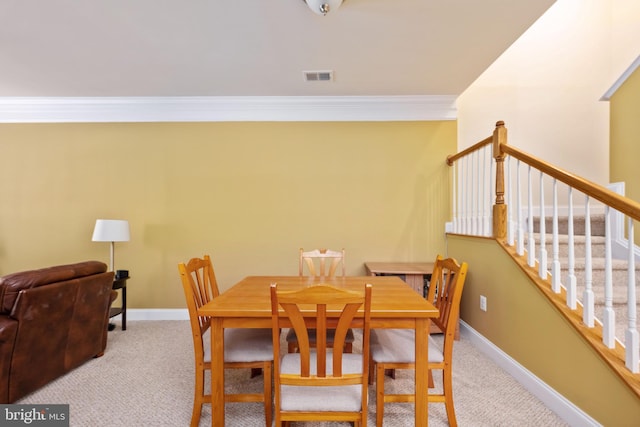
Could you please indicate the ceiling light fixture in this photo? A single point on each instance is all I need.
(322, 7)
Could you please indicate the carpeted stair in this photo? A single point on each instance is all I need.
(619, 267)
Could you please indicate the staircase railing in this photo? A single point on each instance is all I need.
(480, 211)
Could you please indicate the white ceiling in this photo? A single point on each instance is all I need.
(140, 48)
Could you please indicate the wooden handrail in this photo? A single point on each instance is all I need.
(453, 157)
(622, 204)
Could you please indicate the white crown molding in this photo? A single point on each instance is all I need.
(616, 85)
(226, 109)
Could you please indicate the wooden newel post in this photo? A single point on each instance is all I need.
(499, 208)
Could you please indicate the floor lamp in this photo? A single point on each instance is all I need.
(111, 230)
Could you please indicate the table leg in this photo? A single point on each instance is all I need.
(422, 372)
(217, 372)
(124, 308)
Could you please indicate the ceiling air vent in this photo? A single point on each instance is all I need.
(318, 76)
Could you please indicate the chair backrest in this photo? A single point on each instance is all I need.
(321, 262)
(200, 286)
(445, 292)
(322, 305)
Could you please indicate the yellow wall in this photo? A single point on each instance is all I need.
(525, 325)
(625, 135)
(249, 194)
(625, 138)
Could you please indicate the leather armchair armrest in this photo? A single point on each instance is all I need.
(8, 332)
(114, 295)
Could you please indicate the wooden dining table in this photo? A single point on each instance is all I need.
(247, 304)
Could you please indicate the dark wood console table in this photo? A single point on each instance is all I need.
(120, 284)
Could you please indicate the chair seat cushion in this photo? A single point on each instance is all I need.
(398, 346)
(291, 336)
(242, 345)
(321, 398)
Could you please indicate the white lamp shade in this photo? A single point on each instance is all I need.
(317, 5)
(111, 230)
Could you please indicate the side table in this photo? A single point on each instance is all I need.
(416, 274)
(120, 284)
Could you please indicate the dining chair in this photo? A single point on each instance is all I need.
(243, 348)
(320, 383)
(322, 263)
(395, 348)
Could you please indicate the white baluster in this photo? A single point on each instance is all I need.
(476, 193)
(520, 249)
(467, 204)
(492, 180)
(454, 196)
(555, 266)
(487, 191)
(482, 168)
(531, 259)
(482, 193)
(510, 233)
(631, 340)
(608, 315)
(542, 257)
(572, 288)
(588, 298)
(463, 194)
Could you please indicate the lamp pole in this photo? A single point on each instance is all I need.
(113, 244)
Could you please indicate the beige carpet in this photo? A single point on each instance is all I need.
(145, 379)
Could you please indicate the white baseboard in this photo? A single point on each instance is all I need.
(156, 314)
(566, 410)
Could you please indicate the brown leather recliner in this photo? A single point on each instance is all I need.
(51, 321)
